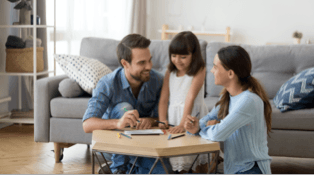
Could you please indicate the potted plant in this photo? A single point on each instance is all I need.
(25, 8)
(297, 37)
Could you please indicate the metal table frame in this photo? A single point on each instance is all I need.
(94, 151)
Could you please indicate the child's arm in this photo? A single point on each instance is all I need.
(197, 84)
(163, 101)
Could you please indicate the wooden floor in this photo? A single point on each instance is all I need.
(19, 154)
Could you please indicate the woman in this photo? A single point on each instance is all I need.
(242, 116)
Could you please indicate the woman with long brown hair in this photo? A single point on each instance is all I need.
(242, 116)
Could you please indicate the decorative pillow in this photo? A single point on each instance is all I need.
(297, 92)
(69, 88)
(85, 71)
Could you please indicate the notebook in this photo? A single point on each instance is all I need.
(144, 132)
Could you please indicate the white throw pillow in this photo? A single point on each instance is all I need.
(85, 71)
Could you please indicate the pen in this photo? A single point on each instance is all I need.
(169, 136)
(164, 123)
(132, 114)
(126, 135)
(178, 136)
(195, 116)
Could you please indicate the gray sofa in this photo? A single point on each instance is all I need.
(59, 119)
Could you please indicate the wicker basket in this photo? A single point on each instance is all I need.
(21, 60)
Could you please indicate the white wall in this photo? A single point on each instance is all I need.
(251, 21)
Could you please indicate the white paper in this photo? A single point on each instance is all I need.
(146, 131)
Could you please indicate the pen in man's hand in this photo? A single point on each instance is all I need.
(132, 114)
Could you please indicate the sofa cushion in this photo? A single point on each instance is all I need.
(62, 107)
(85, 71)
(210, 102)
(302, 119)
(69, 88)
(272, 65)
(297, 92)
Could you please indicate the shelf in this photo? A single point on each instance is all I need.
(195, 32)
(25, 74)
(25, 26)
(17, 120)
(165, 32)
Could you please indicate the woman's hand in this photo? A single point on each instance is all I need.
(191, 124)
(163, 126)
(177, 129)
(212, 122)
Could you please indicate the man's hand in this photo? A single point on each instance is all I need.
(129, 118)
(145, 123)
(163, 126)
(212, 122)
(191, 124)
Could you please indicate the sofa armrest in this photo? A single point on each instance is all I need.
(46, 89)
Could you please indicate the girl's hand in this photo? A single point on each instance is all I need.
(191, 124)
(177, 129)
(212, 122)
(163, 126)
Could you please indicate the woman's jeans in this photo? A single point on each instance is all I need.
(254, 170)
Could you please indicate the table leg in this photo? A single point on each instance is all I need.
(217, 158)
(133, 165)
(103, 171)
(193, 163)
(164, 166)
(93, 162)
(214, 162)
(106, 162)
(151, 170)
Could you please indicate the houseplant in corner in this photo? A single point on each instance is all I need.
(25, 8)
(297, 37)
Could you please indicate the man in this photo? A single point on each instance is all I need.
(134, 86)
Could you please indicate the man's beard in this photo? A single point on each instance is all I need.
(140, 78)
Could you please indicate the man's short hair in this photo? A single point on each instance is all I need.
(129, 42)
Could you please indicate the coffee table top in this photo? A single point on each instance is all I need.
(151, 145)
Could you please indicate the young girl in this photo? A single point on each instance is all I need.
(183, 89)
(242, 116)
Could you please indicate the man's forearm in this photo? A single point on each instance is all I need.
(94, 123)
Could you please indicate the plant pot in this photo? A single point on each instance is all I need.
(296, 40)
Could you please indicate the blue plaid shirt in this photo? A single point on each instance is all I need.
(114, 88)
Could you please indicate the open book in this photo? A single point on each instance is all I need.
(144, 132)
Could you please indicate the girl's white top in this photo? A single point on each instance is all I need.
(179, 88)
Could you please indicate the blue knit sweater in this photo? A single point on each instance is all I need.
(243, 132)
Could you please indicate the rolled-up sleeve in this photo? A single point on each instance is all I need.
(99, 102)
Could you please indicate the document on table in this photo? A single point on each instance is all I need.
(144, 132)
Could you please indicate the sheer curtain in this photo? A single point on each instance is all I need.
(76, 19)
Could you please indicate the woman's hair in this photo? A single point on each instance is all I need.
(238, 60)
(185, 43)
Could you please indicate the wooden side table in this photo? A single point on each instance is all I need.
(153, 146)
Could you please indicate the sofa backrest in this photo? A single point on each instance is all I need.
(104, 50)
(272, 65)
